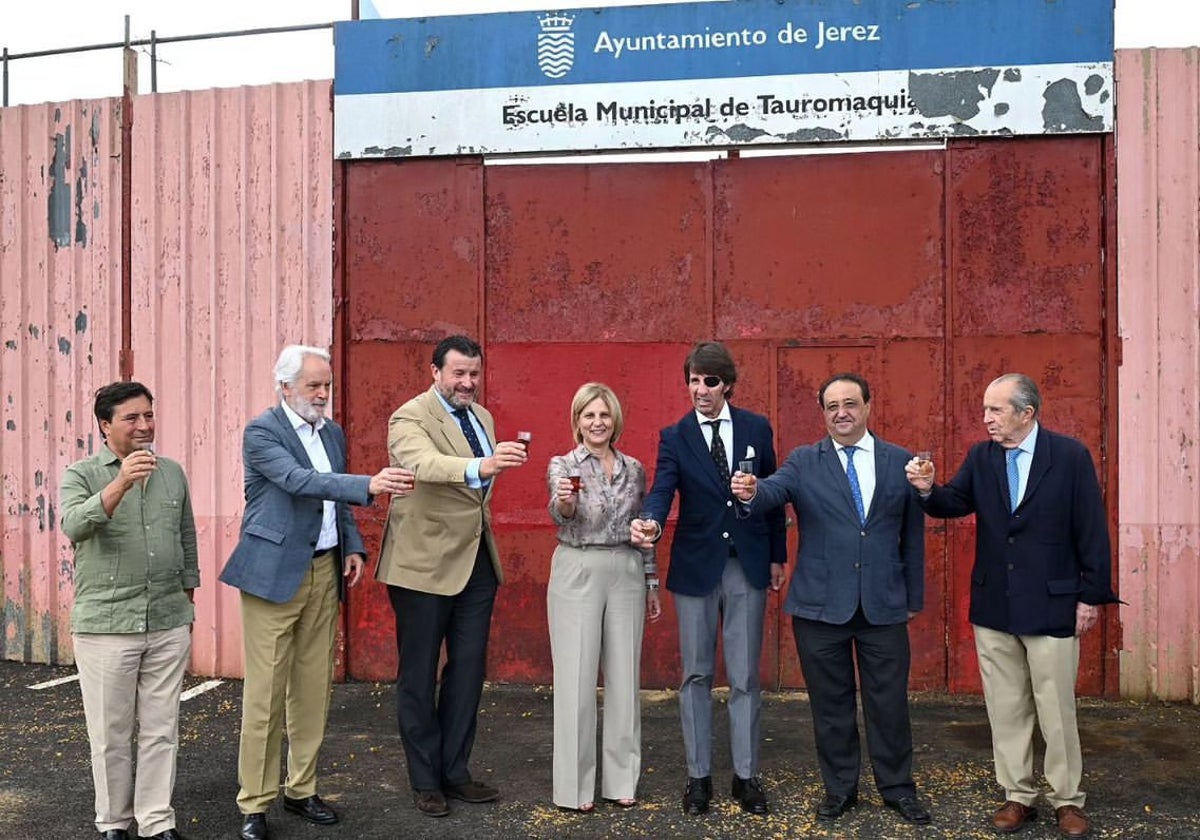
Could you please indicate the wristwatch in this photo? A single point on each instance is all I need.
(652, 584)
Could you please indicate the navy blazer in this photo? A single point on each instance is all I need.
(285, 504)
(1032, 565)
(708, 522)
(843, 563)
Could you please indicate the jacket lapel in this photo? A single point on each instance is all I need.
(996, 458)
(883, 463)
(1039, 466)
(332, 451)
(832, 465)
(289, 437)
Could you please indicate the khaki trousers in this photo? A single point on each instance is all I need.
(289, 673)
(1028, 677)
(596, 605)
(127, 678)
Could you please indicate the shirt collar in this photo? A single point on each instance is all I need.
(107, 456)
(297, 421)
(445, 404)
(866, 443)
(1030, 441)
(725, 415)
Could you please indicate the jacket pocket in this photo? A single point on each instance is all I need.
(1063, 587)
(269, 534)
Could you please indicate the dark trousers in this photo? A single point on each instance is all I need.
(438, 734)
(827, 653)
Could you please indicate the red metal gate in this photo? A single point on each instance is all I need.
(930, 272)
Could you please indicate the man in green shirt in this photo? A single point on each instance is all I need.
(128, 515)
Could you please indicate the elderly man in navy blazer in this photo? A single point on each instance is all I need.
(298, 542)
(1042, 572)
(721, 566)
(860, 577)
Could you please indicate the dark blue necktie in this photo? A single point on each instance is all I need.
(855, 489)
(1014, 479)
(719, 455)
(468, 430)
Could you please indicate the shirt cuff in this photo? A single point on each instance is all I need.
(473, 479)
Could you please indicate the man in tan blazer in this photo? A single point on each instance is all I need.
(441, 566)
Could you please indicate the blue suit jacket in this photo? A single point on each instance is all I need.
(842, 563)
(708, 520)
(1034, 564)
(284, 507)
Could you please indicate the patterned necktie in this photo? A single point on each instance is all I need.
(1014, 479)
(718, 451)
(468, 430)
(855, 489)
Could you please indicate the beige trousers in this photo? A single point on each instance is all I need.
(289, 673)
(129, 678)
(1028, 677)
(596, 604)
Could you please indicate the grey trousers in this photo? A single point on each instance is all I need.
(739, 607)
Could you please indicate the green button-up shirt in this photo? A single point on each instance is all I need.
(131, 571)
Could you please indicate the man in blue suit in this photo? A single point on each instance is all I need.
(1042, 572)
(721, 566)
(859, 578)
(298, 541)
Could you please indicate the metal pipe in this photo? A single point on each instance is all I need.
(153, 62)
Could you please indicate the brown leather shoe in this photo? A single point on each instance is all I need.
(1012, 816)
(1072, 822)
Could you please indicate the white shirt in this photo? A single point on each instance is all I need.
(864, 467)
(726, 429)
(310, 439)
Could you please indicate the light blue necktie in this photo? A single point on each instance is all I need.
(1014, 479)
(855, 490)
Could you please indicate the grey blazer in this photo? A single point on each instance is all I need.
(284, 506)
(842, 563)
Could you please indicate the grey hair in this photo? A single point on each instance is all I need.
(291, 360)
(1025, 393)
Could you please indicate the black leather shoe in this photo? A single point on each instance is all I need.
(115, 834)
(431, 803)
(697, 795)
(254, 827)
(749, 794)
(312, 809)
(471, 791)
(909, 808)
(833, 805)
(169, 834)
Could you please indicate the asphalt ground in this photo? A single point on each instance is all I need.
(1141, 770)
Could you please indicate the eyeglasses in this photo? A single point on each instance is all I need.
(711, 381)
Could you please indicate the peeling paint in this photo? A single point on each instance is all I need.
(1063, 109)
(35, 331)
(81, 322)
(810, 135)
(64, 346)
(955, 94)
(10, 344)
(81, 230)
(58, 209)
(390, 151)
(11, 425)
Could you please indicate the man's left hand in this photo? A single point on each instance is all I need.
(354, 567)
(1085, 617)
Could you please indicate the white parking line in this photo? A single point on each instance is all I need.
(52, 683)
(200, 689)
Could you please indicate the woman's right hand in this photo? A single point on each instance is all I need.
(564, 491)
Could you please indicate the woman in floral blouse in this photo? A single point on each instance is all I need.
(601, 590)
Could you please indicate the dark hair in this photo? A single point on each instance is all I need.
(711, 358)
(844, 377)
(112, 395)
(460, 343)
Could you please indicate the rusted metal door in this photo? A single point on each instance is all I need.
(929, 272)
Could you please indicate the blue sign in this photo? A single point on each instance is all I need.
(588, 59)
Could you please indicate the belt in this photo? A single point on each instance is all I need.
(323, 551)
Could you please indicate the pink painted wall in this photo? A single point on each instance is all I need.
(1158, 252)
(60, 322)
(232, 202)
(232, 259)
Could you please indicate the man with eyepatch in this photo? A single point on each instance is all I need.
(720, 568)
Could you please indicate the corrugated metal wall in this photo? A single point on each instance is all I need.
(231, 258)
(60, 333)
(1158, 222)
